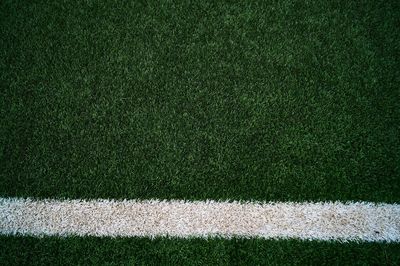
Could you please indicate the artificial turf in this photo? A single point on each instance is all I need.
(264, 100)
(164, 251)
(254, 100)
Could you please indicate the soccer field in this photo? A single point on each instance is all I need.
(217, 132)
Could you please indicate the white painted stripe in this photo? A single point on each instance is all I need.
(352, 221)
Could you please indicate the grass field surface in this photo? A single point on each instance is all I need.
(289, 101)
(215, 251)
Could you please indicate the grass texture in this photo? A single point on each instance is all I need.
(268, 100)
(253, 100)
(164, 251)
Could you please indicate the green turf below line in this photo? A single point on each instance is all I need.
(268, 100)
(163, 251)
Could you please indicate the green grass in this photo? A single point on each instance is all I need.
(268, 101)
(141, 251)
(254, 100)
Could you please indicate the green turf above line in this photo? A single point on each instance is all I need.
(349, 221)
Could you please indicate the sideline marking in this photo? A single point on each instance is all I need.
(350, 221)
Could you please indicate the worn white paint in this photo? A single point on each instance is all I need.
(351, 221)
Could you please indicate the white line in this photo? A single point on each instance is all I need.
(351, 221)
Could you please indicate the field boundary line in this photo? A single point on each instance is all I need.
(341, 221)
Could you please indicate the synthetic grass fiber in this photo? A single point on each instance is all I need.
(164, 251)
(338, 221)
(285, 100)
(225, 100)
